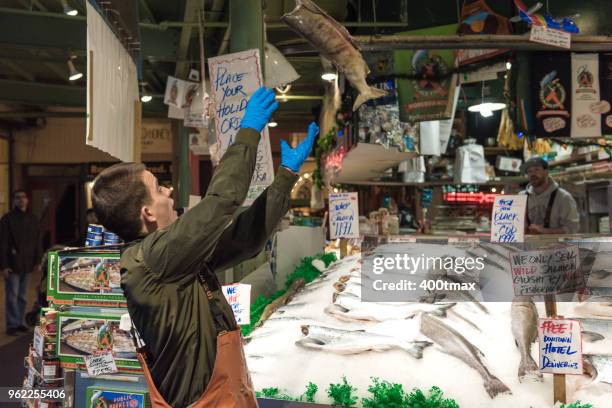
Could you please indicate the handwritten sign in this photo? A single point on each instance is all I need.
(100, 363)
(560, 346)
(233, 78)
(238, 296)
(548, 36)
(343, 215)
(547, 272)
(508, 219)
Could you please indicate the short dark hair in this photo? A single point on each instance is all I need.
(19, 190)
(118, 195)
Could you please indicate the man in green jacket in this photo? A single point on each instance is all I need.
(170, 263)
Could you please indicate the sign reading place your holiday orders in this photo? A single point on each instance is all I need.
(343, 215)
(233, 78)
(547, 272)
(560, 346)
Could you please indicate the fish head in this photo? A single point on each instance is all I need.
(340, 286)
(344, 278)
(305, 329)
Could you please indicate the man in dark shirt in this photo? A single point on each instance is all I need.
(20, 254)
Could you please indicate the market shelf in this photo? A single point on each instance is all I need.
(500, 182)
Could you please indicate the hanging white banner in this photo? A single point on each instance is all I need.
(586, 118)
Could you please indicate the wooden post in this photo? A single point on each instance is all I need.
(559, 391)
(136, 155)
(343, 247)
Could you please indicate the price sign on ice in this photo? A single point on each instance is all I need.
(343, 215)
(233, 78)
(546, 272)
(508, 219)
(238, 296)
(560, 346)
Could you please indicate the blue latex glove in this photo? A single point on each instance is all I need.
(294, 158)
(259, 109)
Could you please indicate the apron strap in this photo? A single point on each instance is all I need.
(210, 283)
(551, 202)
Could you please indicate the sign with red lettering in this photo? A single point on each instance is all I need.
(547, 272)
(560, 346)
(238, 295)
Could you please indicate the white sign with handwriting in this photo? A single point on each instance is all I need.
(100, 363)
(343, 215)
(238, 295)
(548, 36)
(508, 219)
(233, 78)
(560, 346)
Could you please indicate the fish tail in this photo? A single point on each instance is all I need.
(415, 349)
(592, 336)
(369, 93)
(529, 368)
(590, 370)
(441, 312)
(494, 386)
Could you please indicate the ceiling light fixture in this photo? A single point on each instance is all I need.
(144, 95)
(69, 10)
(329, 76)
(329, 73)
(273, 123)
(486, 109)
(74, 74)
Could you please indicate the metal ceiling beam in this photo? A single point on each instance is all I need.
(36, 3)
(66, 32)
(191, 14)
(19, 71)
(147, 11)
(35, 93)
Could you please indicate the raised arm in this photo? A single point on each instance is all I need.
(175, 251)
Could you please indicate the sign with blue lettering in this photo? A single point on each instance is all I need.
(508, 219)
(238, 295)
(233, 78)
(343, 215)
(560, 346)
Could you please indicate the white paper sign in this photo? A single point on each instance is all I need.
(233, 78)
(586, 96)
(547, 271)
(508, 219)
(101, 363)
(560, 346)
(38, 343)
(548, 36)
(238, 296)
(343, 215)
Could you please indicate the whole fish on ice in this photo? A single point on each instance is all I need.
(595, 329)
(333, 42)
(453, 343)
(524, 321)
(350, 309)
(355, 341)
(598, 367)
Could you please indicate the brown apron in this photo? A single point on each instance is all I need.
(230, 384)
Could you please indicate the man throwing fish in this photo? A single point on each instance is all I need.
(193, 353)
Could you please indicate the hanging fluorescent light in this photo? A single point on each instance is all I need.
(74, 74)
(69, 10)
(273, 123)
(144, 95)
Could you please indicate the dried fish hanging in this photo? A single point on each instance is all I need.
(507, 137)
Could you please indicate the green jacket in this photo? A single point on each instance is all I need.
(166, 301)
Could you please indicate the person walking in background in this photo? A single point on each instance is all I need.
(20, 254)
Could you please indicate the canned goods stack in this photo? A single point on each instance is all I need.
(110, 238)
(94, 235)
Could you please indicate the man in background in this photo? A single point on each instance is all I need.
(550, 209)
(20, 254)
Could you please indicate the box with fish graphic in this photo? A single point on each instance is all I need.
(103, 397)
(85, 277)
(83, 334)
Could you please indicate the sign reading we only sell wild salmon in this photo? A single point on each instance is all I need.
(234, 78)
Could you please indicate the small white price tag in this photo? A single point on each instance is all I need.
(126, 322)
(548, 36)
(99, 364)
(238, 296)
(49, 371)
(38, 342)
